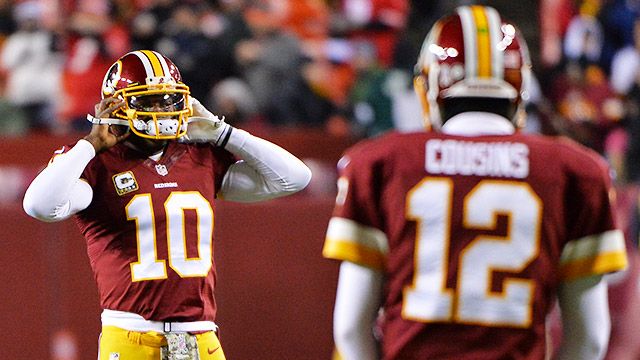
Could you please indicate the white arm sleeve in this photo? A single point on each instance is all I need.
(358, 300)
(586, 323)
(57, 192)
(266, 171)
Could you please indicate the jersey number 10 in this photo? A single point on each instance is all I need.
(148, 266)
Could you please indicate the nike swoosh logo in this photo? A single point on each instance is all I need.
(212, 351)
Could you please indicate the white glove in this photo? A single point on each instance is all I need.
(204, 126)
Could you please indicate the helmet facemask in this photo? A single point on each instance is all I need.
(156, 111)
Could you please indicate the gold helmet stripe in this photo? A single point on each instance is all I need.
(483, 41)
(156, 65)
(496, 34)
(163, 63)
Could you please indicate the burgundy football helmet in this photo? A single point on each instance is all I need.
(472, 53)
(156, 101)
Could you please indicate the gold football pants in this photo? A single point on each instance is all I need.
(120, 344)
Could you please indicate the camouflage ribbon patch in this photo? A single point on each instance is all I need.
(180, 346)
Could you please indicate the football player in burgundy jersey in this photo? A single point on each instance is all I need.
(142, 186)
(456, 242)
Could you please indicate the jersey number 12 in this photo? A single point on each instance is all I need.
(472, 301)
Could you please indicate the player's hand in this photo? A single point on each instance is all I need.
(204, 126)
(100, 136)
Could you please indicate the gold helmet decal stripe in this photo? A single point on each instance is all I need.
(156, 65)
(483, 41)
(496, 35)
(163, 63)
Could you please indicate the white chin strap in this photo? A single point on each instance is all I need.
(165, 126)
(106, 121)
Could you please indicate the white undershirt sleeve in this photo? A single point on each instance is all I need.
(358, 300)
(57, 192)
(586, 323)
(266, 171)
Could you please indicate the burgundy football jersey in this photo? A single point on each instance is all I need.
(474, 235)
(149, 230)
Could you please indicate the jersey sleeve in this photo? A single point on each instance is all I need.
(224, 160)
(355, 230)
(595, 245)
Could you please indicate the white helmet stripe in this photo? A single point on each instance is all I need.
(470, 45)
(495, 33)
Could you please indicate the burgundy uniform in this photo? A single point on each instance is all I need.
(474, 235)
(149, 230)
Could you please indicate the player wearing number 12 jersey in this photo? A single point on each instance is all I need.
(456, 242)
(142, 186)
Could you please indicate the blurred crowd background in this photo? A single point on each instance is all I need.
(274, 63)
(342, 66)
